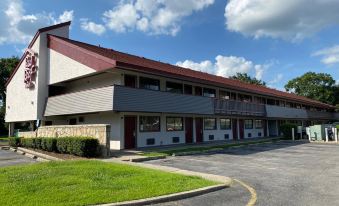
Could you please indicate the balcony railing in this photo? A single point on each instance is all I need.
(232, 107)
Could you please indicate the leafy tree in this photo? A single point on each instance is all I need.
(244, 77)
(317, 86)
(7, 65)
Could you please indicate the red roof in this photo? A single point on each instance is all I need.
(142, 64)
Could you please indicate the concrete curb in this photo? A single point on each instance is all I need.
(34, 155)
(169, 198)
(225, 183)
(144, 159)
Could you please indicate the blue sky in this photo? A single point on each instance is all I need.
(272, 40)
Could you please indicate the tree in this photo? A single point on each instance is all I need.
(317, 86)
(247, 79)
(7, 65)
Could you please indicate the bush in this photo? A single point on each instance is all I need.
(80, 146)
(14, 141)
(286, 129)
(27, 142)
(49, 144)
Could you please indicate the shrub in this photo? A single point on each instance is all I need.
(27, 142)
(14, 141)
(49, 144)
(286, 129)
(80, 146)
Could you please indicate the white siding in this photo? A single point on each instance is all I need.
(64, 68)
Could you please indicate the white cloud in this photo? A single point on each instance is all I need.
(152, 16)
(92, 27)
(18, 27)
(276, 79)
(329, 55)
(288, 19)
(226, 66)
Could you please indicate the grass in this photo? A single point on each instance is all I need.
(88, 182)
(201, 149)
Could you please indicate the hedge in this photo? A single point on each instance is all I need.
(286, 129)
(14, 141)
(80, 146)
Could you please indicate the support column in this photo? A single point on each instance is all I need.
(326, 134)
(10, 129)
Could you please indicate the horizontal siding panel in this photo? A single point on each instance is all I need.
(142, 100)
(94, 100)
(285, 112)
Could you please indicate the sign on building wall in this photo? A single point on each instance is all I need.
(30, 69)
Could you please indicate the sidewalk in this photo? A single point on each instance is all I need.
(141, 154)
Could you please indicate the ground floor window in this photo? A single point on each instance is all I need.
(210, 123)
(258, 124)
(174, 124)
(225, 124)
(149, 124)
(248, 124)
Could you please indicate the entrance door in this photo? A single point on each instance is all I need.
(189, 129)
(130, 131)
(130, 81)
(241, 128)
(235, 129)
(198, 129)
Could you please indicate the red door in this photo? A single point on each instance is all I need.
(130, 131)
(189, 129)
(235, 129)
(130, 81)
(265, 127)
(198, 129)
(241, 128)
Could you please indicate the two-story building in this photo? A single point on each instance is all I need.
(60, 81)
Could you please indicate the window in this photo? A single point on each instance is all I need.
(174, 87)
(258, 124)
(248, 124)
(210, 124)
(224, 95)
(148, 83)
(149, 124)
(225, 124)
(188, 89)
(198, 91)
(174, 124)
(209, 92)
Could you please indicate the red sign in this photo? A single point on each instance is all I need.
(30, 69)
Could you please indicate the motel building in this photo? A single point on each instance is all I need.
(60, 81)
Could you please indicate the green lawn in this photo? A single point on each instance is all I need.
(87, 182)
(3, 141)
(206, 148)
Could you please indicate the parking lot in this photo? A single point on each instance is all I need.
(8, 158)
(282, 173)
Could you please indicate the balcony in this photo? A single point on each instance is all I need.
(232, 107)
(128, 99)
(294, 113)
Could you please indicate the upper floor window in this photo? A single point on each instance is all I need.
(149, 124)
(210, 124)
(174, 87)
(149, 83)
(224, 94)
(244, 98)
(188, 89)
(209, 92)
(248, 124)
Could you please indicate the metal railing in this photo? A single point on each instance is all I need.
(232, 107)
